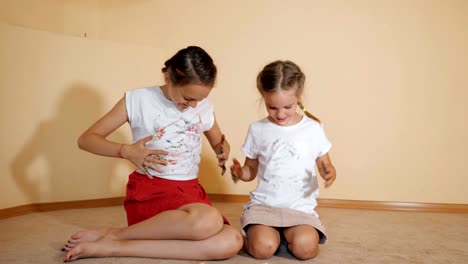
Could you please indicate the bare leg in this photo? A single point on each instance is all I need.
(262, 241)
(302, 241)
(222, 245)
(194, 221)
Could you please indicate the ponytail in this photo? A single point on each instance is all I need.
(307, 113)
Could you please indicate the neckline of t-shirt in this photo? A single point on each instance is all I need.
(287, 127)
(169, 103)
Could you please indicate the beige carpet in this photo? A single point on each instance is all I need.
(356, 236)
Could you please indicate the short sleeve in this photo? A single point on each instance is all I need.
(128, 104)
(324, 143)
(206, 115)
(249, 148)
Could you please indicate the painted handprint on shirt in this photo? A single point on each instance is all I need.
(180, 138)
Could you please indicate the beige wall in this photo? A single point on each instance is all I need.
(387, 78)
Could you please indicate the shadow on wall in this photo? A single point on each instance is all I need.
(50, 167)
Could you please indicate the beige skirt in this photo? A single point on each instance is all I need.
(280, 217)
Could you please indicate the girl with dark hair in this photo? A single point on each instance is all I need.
(168, 212)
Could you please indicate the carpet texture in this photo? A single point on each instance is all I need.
(355, 236)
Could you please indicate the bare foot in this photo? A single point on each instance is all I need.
(90, 235)
(100, 248)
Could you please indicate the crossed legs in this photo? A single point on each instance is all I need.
(196, 228)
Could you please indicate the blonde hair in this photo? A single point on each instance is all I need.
(284, 75)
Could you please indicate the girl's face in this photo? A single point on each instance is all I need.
(281, 106)
(187, 95)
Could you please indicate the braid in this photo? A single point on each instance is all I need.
(306, 112)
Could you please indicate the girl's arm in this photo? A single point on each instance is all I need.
(246, 173)
(94, 140)
(219, 146)
(326, 169)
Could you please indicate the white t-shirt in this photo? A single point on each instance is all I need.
(178, 132)
(286, 169)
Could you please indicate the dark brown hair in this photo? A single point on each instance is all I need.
(191, 65)
(284, 75)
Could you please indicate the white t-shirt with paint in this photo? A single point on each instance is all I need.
(178, 132)
(286, 174)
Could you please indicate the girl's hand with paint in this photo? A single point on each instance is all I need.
(143, 157)
(236, 170)
(222, 154)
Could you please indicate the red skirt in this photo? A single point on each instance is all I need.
(147, 197)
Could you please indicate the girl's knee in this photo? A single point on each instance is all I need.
(304, 252)
(232, 244)
(304, 246)
(303, 243)
(262, 248)
(228, 244)
(206, 223)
